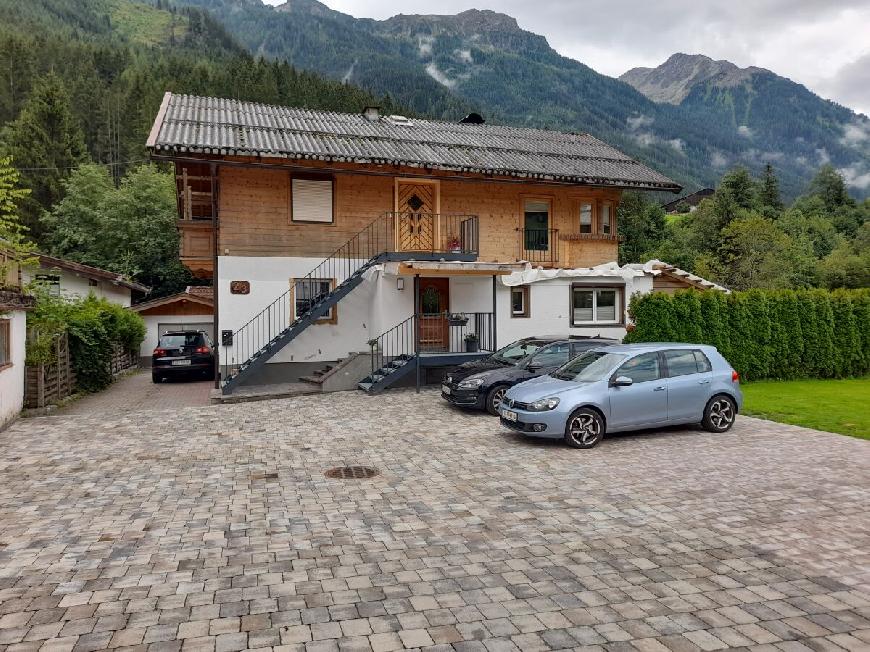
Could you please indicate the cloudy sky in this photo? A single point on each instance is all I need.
(821, 44)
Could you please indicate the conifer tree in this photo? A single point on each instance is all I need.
(768, 191)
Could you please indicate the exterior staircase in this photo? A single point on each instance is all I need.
(264, 335)
(388, 374)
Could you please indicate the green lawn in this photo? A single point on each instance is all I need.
(834, 405)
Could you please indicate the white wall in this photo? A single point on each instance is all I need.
(74, 285)
(270, 278)
(12, 378)
(152, 336)
(550, 309)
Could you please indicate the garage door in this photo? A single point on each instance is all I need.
(208, 327)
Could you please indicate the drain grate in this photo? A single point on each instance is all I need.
(264, 476)
(351, 472)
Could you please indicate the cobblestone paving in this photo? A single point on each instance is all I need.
(214, 529)
(136, 392)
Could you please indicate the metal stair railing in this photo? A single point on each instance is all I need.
(313, 296)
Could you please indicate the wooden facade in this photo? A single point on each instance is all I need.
(253, 204)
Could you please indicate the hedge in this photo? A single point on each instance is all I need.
(780, 334)
(94, 326)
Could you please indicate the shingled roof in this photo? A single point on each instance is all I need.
(188, 124)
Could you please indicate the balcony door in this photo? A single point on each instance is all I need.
(416, 209)
(434, 305)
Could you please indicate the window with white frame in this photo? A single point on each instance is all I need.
(308, 292)
(592, 306)
(520, 301)
(311, 200)
(585, 217)
(5, 343)
(605, 223)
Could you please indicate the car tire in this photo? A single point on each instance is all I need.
(584, 429)
(719, 413)
(494, 397)
(156, 378)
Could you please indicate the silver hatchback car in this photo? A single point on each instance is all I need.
(626, 387)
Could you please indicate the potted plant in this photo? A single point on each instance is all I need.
(457, 319)
(472, 344)
(453, 245)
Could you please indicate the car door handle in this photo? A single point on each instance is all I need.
(660, 388)
(703, 382)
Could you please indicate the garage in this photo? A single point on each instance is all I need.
(192, 309)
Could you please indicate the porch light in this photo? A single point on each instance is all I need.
(400, 284)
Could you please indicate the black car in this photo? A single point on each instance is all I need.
(482, 383)
(182, 353)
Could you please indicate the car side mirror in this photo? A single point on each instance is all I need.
(622, 381)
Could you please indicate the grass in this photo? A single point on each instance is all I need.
(142, 23)
(833, 405)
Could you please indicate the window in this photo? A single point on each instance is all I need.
(585, 217)
(181, 340)
(92, 282)
(50, 282)
(589, 367)
(536, 221)
(554, 355)
(604, 224)
(518, 350)
(311, 200)
(642, 368)
(685, 362)
(520, 301)
(5, 343)
(310, 291)
(596, 306)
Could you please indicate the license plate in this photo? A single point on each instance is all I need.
(445, 389)
(509, 415)
(180, 363)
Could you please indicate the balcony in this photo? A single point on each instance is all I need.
(539, 246)
(432, 233)
(196, 246)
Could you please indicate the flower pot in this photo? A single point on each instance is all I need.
(457, 321)
(472, 346)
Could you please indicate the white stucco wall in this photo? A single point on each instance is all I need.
(550, 309)
(74, 285)
(152, 335)
(12, 378)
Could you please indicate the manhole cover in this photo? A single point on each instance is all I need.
(351, 472)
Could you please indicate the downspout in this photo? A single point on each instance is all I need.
(214, 277)
(494, 315)
(417, 327)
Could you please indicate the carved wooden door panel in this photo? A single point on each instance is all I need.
(434, 306)
(417, 203)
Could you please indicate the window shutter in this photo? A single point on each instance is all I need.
(312, 200)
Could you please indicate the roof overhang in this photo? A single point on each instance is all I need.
(52, 262)
(181, 297)
(450, 268)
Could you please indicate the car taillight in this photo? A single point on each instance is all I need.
(735, 377)
(202, 349)
(159, 352)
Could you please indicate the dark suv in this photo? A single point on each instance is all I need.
(482, 383)
(182, 353)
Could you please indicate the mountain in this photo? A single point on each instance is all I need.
(692, 120)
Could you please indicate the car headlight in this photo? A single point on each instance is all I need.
(470, 383)
(544, 404)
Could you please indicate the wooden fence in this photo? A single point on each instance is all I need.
(47, 384)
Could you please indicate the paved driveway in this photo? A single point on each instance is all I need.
(135, 392)
(214, 528)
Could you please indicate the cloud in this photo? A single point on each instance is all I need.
(440, 77)
(856, 133)
(856, 176)
(718, 160)
(677, 143)
(645, 138)
(822, 45)
(824, 157)
(745, 131)
(636, 122)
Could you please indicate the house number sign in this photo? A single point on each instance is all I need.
(240, 287)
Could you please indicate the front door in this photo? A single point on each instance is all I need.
(416, 205)
(434, 304)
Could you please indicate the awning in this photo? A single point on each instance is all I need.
(450, 268)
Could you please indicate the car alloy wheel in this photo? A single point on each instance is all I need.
(496, 396)
(584, 429)
(720, 414)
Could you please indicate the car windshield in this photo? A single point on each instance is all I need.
(178, 340)
(589, 367)
(552, 355)
(513, 353)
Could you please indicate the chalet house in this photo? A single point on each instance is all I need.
(329, 236)
(192, 309)
(14, 305)
(689, 203)
(67, 278)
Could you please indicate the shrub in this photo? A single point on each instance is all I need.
(94, 326)
(765, 333)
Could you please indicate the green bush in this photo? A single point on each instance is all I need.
(94, 326)
(765, 333)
